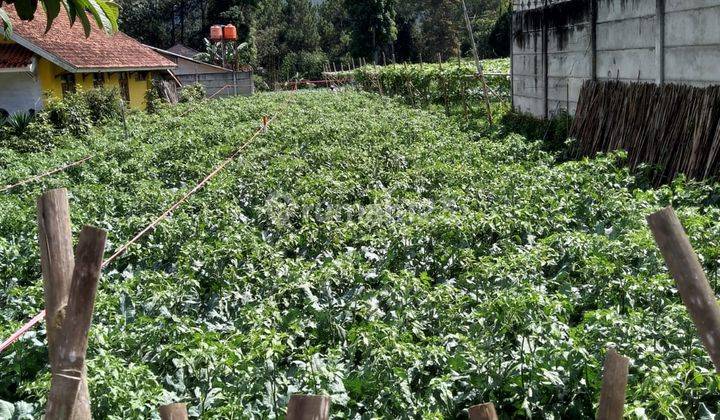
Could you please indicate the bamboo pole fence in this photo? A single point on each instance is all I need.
(673, 128)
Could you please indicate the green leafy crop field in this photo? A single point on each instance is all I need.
(367, 250)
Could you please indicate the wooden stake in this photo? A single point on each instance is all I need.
(308, 407)
(56, 257)
(478, 63)
(176, 411)
(614, 384)
(57, 262)
(72, 338)
(689, 276)
(483, 412)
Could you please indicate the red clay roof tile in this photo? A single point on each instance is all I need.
(13, 56)
(98, 52)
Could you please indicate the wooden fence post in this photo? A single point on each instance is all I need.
(308, 407)
(614, 385)
(72, 338)
(693, 286)
(176, 411)
(483, 412)
(57, 263)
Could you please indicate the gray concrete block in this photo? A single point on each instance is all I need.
(693, 27)
(630, 33)
(624, 9)
(631, 64)
(699, 63)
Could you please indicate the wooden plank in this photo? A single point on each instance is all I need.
(614, 386)
(483, 412)
(308, 407)
(176, 411)
(692, 284)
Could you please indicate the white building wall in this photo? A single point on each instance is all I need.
(19, 92)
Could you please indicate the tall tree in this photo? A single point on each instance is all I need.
(374, 26)
(441, 29)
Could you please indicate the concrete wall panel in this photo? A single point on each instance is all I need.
(630, 33)
(700, 63)
(609, 10)
(680, 5)
(626, 48)
(693, 27)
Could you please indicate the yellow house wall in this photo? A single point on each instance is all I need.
(50, 82)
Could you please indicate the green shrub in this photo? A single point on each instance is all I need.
(36, 135)
(192, 93)
(260, 83)
(103, 103)
(308, 65)
(69, 115)
(554, 132)
(19, 122)
(154, 100)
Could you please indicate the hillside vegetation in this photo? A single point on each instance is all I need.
(367, 250)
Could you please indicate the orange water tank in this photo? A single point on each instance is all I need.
(230, 33)
(216, 33)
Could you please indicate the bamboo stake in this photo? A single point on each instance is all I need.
(57, 262)
(614, 385)
(483, 412)
(308, 407)
(689, 276)
(72, 340)
(176, 411)
(478, 64)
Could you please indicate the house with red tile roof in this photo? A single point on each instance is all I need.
(35, 64)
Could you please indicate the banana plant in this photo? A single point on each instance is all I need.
(235, 53)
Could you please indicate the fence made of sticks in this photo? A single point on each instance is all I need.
(673, 128)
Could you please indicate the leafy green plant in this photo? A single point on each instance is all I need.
(192, 93)
(18, 123)
(449, 83)
(69, 115)
(378, 253)
(103, 104)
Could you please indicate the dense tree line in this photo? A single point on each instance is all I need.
(286, 37)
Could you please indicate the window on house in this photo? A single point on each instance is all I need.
(68, 83)
(98, 80)
(125, 87)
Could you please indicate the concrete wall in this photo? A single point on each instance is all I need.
(222, 84)
(559, 46)
(20, 92)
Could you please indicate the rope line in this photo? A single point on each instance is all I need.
(120, 251)
(46, 174)
(90, 157)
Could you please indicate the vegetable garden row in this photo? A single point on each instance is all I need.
(365, 250)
